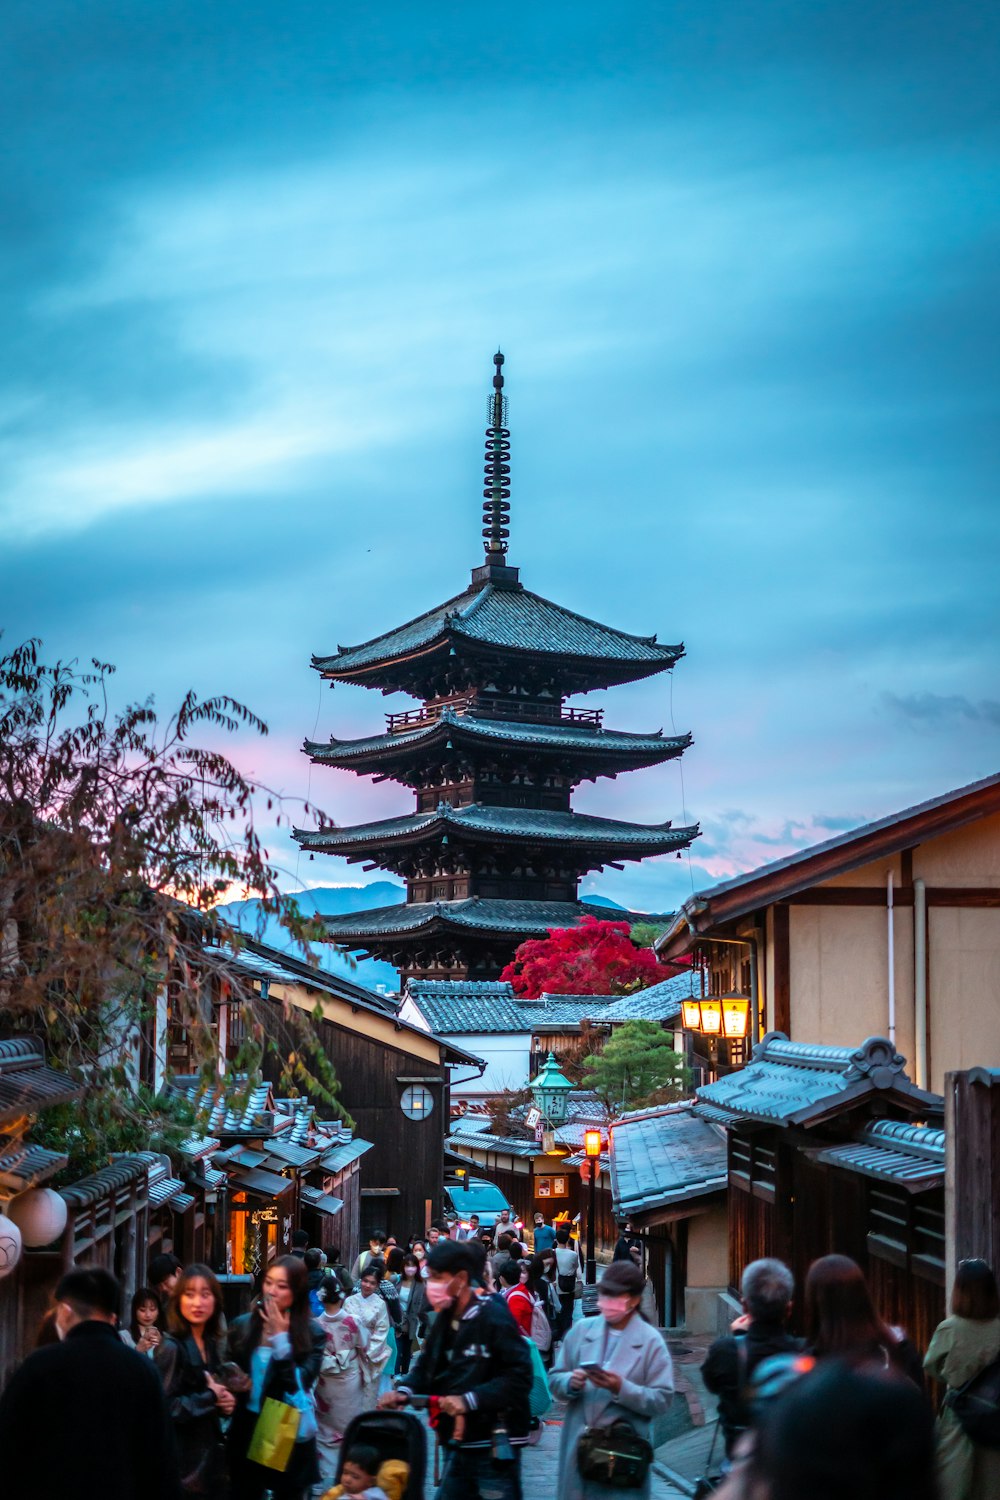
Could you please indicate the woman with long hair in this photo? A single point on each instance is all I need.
(414, 1306)
(368, 1309)
(839, 1433)
(842, 1323)
(280, 1345)
(188, 1359)
(963, 1345)
(542, 1282)
(143, 1333)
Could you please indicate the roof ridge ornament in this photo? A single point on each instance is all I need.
(496, 490)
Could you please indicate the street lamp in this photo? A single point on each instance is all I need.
(592, 1147)
(550, 1091)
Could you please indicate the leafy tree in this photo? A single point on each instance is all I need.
(594, 958)
(644, 934)
(118, 834)
(638, 1065)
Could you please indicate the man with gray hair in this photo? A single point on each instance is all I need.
(766, 1289)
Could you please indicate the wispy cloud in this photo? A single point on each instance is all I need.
(942, 711)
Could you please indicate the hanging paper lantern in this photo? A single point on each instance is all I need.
(10, 1245)
(40, 1214)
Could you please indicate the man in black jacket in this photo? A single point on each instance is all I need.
(478, 1366)
(86, 1417)
(766, 1289)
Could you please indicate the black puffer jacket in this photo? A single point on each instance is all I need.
(193, 1413)
(484, 1359)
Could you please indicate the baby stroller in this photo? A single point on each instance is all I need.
(393, 1434)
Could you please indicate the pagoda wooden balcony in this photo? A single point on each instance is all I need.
(429, 713)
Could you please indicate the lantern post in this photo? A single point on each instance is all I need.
(592, 1146)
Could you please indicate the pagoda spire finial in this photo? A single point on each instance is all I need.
(495, 568)
(496, 511)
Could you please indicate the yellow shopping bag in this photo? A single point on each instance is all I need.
(274, 1435)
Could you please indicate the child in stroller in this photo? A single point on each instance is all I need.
(383, 1456)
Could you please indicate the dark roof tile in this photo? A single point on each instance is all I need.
(512, 618)
(664, 1157)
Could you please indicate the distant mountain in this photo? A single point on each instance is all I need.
(331, 901)
(326, 901)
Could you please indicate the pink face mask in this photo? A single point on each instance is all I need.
(410, 1270)
(440, 1295)
(612, 1309)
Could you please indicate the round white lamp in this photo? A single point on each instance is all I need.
(40, 1214)
(10, 1245)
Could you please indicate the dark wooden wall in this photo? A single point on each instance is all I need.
(407, 1155)
(802, 1210)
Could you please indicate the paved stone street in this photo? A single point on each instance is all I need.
(540, 1471)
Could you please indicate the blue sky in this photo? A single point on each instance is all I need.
(742, 260)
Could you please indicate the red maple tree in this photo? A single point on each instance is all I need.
(595, 958)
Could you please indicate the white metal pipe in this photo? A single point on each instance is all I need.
(892, 962)
(920, 982)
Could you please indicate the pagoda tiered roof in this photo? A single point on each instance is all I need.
(493, 753)
(494, 916)
(480, 823)
(504, 619)
(452, 729)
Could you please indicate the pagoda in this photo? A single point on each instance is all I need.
(492, 853)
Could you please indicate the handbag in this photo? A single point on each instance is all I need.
(274, 1435)
(302, 1400)
(615, 1456)
(976, 1405)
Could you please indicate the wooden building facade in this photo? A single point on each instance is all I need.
(833, 1151)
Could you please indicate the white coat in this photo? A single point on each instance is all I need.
(641, 1358)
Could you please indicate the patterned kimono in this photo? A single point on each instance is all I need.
(372, 1315)
(339, 1392)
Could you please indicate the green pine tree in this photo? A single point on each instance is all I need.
(637, 1066)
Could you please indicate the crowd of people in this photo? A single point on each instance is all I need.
(320, 1336)
(478, 1326)
(849, 1408)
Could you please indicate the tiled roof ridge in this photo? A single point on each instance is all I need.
(920, 1140)
(440, 610)
(22, 1052)
(640, 640)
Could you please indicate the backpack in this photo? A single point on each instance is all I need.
(541, 1328)
(976, 1404)
(315, 1302)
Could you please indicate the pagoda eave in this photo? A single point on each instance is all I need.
(586, 753)
(476, 916)
(593, 841)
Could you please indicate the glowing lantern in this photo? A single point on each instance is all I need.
(592, 1142)
(691, 1014)
(40, 1215)
(735, 1015)
(711, 1017)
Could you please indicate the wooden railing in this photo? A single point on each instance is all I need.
(429, 713)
